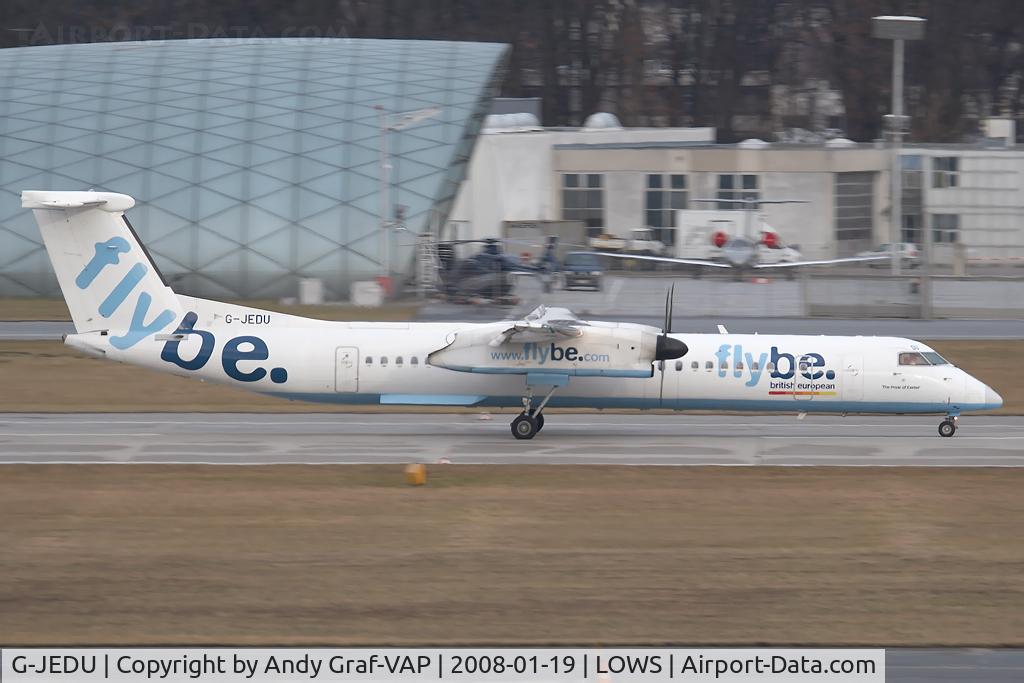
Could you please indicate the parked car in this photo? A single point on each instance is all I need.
(582, 269)
(910, 255)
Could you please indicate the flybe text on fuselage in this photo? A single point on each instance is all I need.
(779, 366)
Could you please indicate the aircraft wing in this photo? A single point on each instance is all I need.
(664, 259)
(825, 262)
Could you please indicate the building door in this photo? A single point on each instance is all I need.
(852, 377)
(346, 369)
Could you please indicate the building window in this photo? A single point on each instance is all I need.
(583, 200)
(855, 211)
(911, 228)
(945, 227)
(666, 193)
(945, 172)
(736, 186)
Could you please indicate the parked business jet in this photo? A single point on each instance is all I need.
(123, 310)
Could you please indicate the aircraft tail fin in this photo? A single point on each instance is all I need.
(106, 275)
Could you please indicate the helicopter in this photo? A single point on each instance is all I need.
(491, 272)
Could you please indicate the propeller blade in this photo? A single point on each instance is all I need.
(671, 307)
(668, 348)
(664, 322)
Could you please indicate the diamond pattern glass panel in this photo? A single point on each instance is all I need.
(253, 162)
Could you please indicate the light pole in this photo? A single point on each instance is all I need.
(898, 30)
(392, 122)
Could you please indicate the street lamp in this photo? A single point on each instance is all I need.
(898, 30)
(392, 122)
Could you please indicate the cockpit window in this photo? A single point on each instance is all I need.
(913, 358)
(934, 358)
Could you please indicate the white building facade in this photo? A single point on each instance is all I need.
(617, 180)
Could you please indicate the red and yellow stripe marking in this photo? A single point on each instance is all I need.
(802, 393)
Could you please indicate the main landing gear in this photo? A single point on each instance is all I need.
(948, 426)
(531, 420)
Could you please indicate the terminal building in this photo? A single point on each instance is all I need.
(616, 180)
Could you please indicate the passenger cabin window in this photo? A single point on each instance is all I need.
(369, 360)
(755, 366)
(414, 361)
(398, 360)
(709, 366)
(695, 365)
(739, 365)
(679, 365)
(913, 358)
(804, 366)
(383, 360)
(770, 367)
(725, 365)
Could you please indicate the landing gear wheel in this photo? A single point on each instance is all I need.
(539, 419)
(524, 427)
(947, 428)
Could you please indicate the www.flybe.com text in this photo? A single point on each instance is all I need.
(541, 354)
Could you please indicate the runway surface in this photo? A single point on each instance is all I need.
(598, 438)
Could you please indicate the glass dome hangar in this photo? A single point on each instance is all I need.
(253, 161)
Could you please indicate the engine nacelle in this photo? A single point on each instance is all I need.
(607, 350)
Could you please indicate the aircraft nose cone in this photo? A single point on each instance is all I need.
(669, 348)
(992, 399)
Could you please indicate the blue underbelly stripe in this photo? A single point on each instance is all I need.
(765, 405)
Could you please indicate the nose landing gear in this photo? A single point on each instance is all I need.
(947, 427)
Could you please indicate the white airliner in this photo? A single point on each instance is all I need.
(123, 310)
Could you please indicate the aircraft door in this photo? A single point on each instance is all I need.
(346, 369)
(852, 378)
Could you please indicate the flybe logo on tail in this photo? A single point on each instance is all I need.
(109, 254)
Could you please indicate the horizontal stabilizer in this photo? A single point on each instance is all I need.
(47, 199)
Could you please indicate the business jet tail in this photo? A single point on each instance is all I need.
(108, 279)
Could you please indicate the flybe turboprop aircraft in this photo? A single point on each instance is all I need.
(123, 310)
